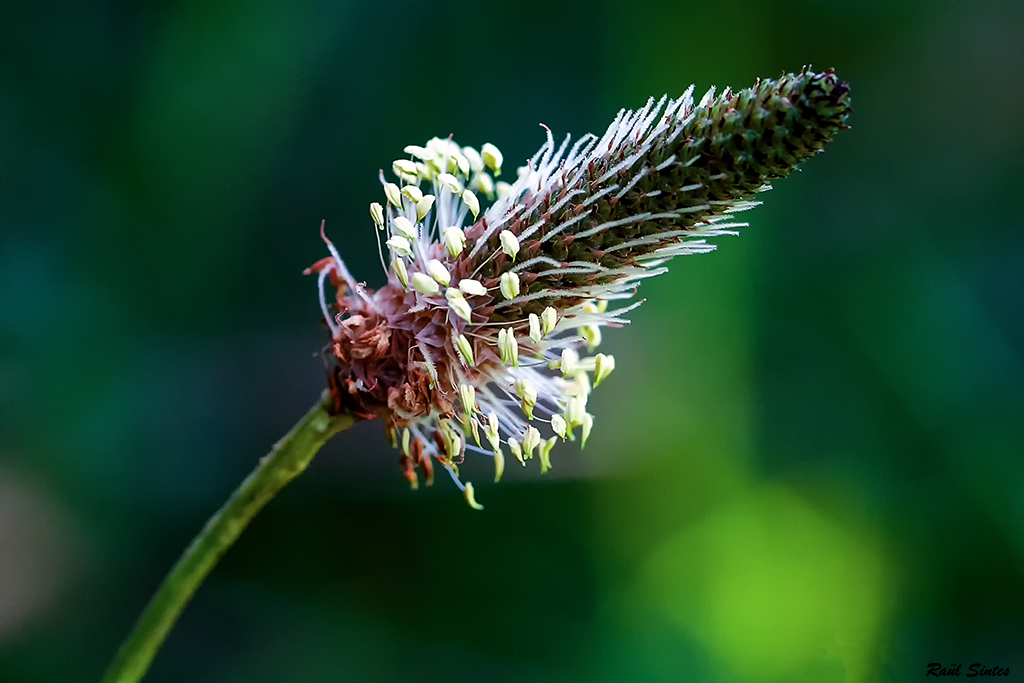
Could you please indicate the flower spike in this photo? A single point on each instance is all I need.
(534, 271)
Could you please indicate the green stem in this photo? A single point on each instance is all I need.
(286, 460)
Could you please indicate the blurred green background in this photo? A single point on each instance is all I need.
(807, 466)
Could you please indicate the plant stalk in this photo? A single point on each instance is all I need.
(286, 460)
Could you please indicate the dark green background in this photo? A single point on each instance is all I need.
(806, 467)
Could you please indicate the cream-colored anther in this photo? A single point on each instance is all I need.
(588, 422)
(491, 430)
(470, 200)
(558, 425)
(476, 162)
(517, 451)
(570, 364)
(377, 214)
(575, 409)
(526, 391)
(468, 395)
(458, 160)
(399, 245)
(439, 272)
(548, 320)
(403, 275)
(438, 146)
(454, 240)
(404, 168)
(530, 441)
(509, 243)
(471, 497)
(508, 347)
(404, 227)
(418, 152)
(423, 206)
(482, 182)
(476, 431)
(535, 328)
(424, 284)
(545, 454)
(458, 303)
(603, 366)
(414, 193)
(492, 157)
(472, 287)
(502, 189)
(451, 182)
(465, 350)
(509, 285)
(393, 194)
(499, 464)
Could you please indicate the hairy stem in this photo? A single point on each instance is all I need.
(286, 460)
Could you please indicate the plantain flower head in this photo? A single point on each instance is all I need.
(484, 338)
